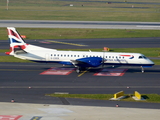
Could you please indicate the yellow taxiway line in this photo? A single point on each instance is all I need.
(83, 72)
(65, 43)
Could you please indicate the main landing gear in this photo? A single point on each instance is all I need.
(79, 69)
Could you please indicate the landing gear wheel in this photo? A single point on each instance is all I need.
(77, 70)
(142, 69)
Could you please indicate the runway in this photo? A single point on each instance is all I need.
(80, 24)
(16, 78)
(28, 74)
(92, 43)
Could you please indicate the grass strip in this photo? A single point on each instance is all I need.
(12, 59)
(81, 10)
(157, 62)
(155, 98)
(77, 33)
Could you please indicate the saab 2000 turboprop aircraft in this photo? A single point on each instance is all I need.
(80, 59)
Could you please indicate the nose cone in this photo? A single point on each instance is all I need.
(150, 62)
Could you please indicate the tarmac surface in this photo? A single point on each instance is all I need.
(80, 24)
(24, 83)
(61, 112)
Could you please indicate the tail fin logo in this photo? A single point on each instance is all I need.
(14, 36)
(16, 42)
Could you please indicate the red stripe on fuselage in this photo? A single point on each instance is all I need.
(126, 55)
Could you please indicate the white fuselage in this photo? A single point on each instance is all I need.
(40, 54)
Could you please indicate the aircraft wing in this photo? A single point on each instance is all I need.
(87, 62)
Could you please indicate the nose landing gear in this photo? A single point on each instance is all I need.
(142, 69)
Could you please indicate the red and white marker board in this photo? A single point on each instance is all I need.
(10, 117)
(58, 71)
(111, 72)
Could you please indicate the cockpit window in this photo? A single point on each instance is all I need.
(142, 57)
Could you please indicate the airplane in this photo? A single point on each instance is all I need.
(80, 59)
